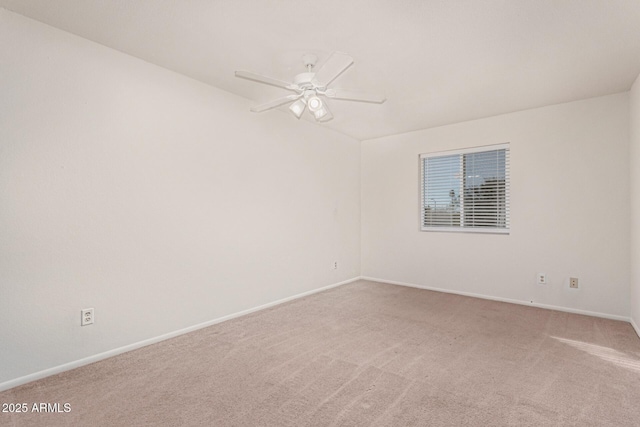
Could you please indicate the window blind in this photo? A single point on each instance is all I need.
(466, 190)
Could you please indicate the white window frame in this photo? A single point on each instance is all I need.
(462, 228)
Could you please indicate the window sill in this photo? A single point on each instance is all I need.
(467, 230)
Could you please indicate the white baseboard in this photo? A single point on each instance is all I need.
(512, 301)
(101, 356)
(635, 326)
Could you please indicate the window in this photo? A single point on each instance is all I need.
(466, 190)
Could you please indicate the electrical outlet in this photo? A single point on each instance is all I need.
(542, 279)
(573, 282)
(87, 317)
(335, 265)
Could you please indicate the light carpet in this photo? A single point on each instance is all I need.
(363, 354)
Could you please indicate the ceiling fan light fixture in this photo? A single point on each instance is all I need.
(315, 104)
(322, 113)
(297, 108)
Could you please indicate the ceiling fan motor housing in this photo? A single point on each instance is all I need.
(304, 80)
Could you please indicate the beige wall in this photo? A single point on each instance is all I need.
(635, 202)
(569, 210)
(157, 200)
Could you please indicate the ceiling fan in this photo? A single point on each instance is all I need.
(311, 85)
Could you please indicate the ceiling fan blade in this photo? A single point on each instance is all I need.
(335, 65)
(275, 103)
(348, 95)
(266, 80)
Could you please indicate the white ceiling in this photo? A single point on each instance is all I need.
(438, 62)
